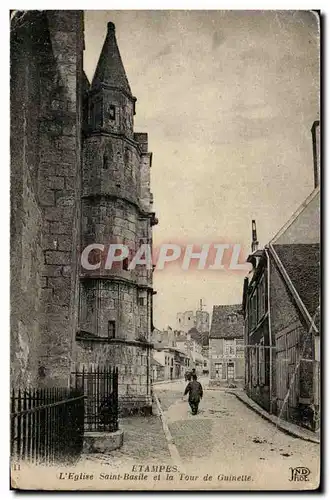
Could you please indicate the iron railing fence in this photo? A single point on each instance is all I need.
(46, 425)
(100, 386)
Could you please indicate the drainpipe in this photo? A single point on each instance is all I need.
(270, 337)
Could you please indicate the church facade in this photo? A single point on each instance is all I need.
(80, 175)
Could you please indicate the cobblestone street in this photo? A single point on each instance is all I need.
(226, 438)
(231, 438)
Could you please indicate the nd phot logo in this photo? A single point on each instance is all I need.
(299, 474)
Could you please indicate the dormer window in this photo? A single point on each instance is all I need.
(232, 318)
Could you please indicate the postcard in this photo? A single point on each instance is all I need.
(165, 250)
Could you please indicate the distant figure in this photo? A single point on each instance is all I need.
(195, 391)
(187, 376)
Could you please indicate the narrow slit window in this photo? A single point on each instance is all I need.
(112, 112)
(111, 329)
(105, 162)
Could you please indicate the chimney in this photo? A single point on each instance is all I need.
(316, 151)
(255, 242)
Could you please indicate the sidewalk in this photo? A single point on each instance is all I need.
(287, 427)
(144, 441)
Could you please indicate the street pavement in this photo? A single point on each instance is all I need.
(144, 441)
(227, 437)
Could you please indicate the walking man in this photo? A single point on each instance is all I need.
(195, 391)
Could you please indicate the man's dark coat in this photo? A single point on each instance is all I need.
(195, 391)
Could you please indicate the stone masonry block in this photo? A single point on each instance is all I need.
(44, 282)
(70, 183)
(67, 270)
(47, 295)
(64, 242)
(57, 214)
(57, 257)
(62, 294)
(69, 129)
(50, 242)
(59, 282)
(132, 389)
(55, 182)
(66, 169)
(63, 20)
(50, 270)
(61, 227)
(47, 198)
(64, 200)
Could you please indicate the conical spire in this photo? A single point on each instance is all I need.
(110, 69)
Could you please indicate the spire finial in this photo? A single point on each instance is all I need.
(110, 69)
(111, 27)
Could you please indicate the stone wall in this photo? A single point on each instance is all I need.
(114, 300)
(46, 76)
(134, 374)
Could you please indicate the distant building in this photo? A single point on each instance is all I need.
(196, 323)
(185, 321)
(226, 345)
(193, 349)
(157, 370)
(173, 360)
(203, 321)
(164, 337)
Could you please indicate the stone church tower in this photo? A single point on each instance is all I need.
(115, 314)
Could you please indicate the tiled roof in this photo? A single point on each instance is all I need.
(302, 264)
(221, 328)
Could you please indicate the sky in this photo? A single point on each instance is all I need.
(228, 99)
